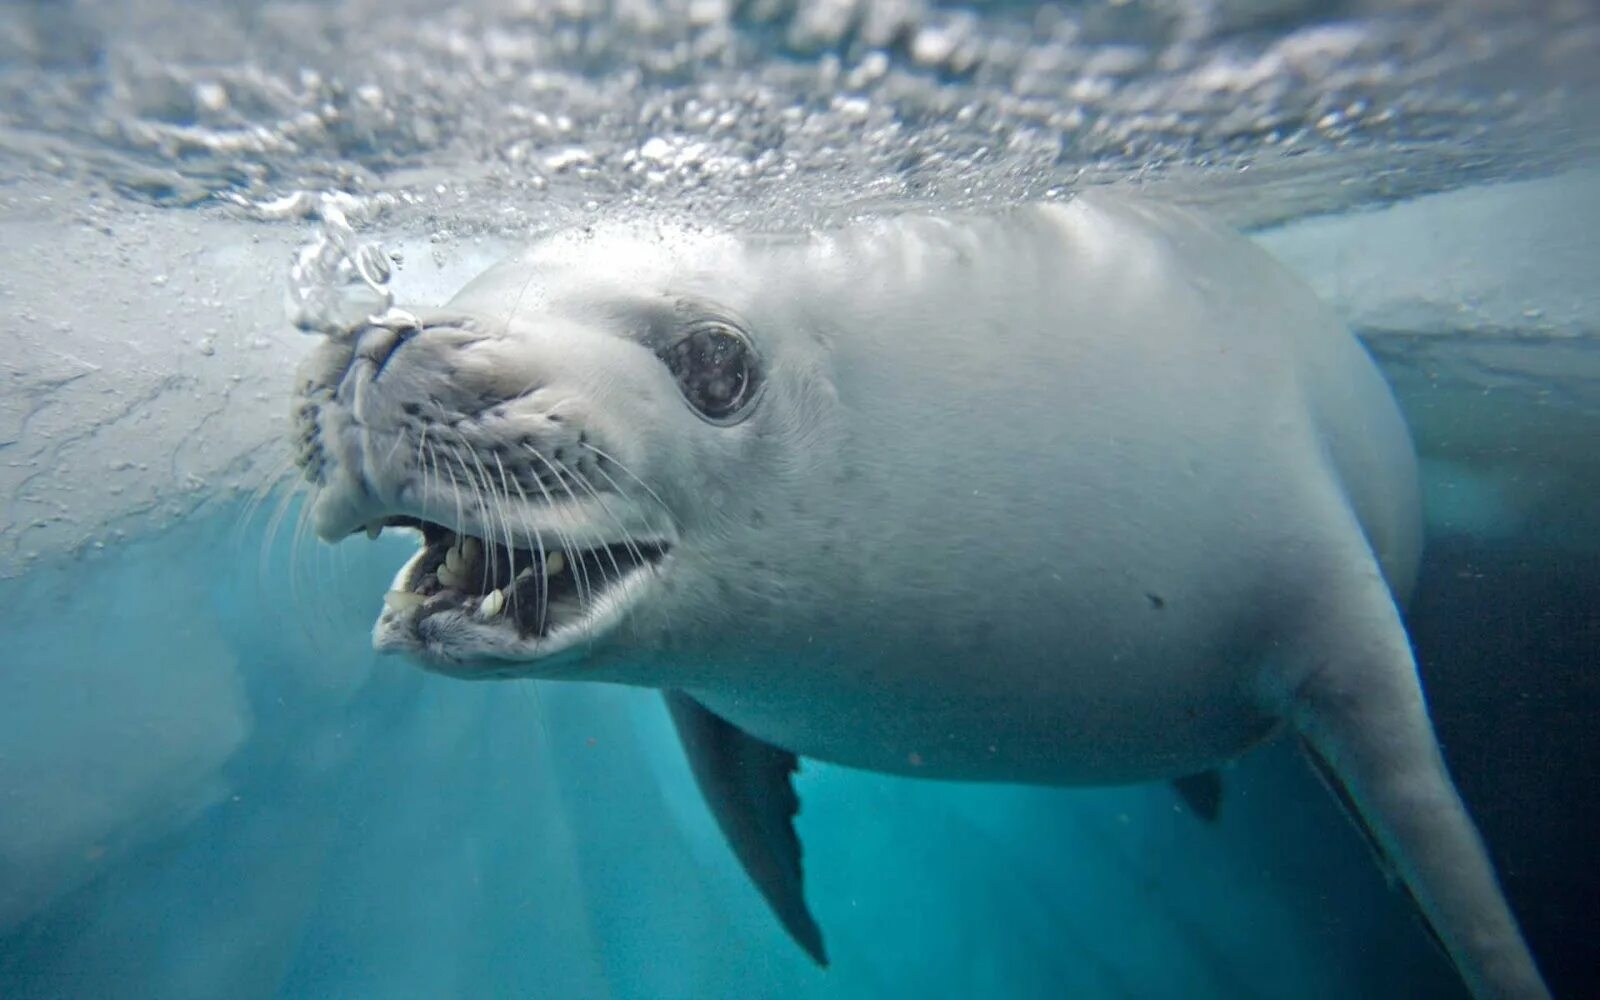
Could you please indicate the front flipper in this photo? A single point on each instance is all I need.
(746, 783)
(1202, 793)
(1360, 710)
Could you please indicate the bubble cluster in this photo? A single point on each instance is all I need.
(504, 116)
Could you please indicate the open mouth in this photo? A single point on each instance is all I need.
(549, 596)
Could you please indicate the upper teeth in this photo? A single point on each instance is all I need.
(458, 562)
(461, 561)
(400, 601)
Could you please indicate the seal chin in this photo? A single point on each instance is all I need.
(472, 608)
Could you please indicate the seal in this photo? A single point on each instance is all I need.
(1075, 493)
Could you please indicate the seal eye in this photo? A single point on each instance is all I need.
(717, 371)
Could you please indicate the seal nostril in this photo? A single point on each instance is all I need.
(379, 344)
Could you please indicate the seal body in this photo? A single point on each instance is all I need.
(1056, 462)
(1081, 493)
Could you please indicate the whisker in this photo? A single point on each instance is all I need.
(280, 512)
(424, 449)
(599, 566)
(477, 489)
(399, 439)
(617, 488)
(544, 588)
(631, 475)
(579, 567)
(570, 493)
(486, 497)
(620, 492)
(271, 482)
(557, 466)
(566, 540)
(455, 487)
(287, 491)
(297, 543)
(438, 480)
(503, 494)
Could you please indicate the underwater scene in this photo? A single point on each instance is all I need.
(820, 499)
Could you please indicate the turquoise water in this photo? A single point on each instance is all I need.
(209, 784)
(310, 820)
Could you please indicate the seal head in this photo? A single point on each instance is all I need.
(568, 431)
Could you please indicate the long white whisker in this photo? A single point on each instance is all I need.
(438, 480)
(582, 479)
(455, 487)
(580, 572)
(275, 524)
(556, 466)
(565, 539)
(544, 585)
(280, 512)
(618, 489)
(297, 545)
(630, 474)
(505, 522)
(399, 439)
(271, 482)
(487, 497)
(477, 488)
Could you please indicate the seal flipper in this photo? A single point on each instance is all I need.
(1360, 710)
(745, 781)
(1202, 793)
(1336, 788)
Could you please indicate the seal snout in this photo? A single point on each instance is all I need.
(378, 344)
(533, 536)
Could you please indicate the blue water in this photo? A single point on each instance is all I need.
(297, 817)
(210, 785)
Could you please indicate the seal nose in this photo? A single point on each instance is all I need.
(379, 343)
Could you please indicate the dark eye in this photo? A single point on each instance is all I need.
(717, 371)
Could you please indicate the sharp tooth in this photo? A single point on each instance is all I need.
(493, 602)
(525, 574)
(554, 563)
(448, 576)
(400, 601)
(374, 529)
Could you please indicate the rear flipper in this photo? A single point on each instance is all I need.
(1361, 714)
(1202, 793)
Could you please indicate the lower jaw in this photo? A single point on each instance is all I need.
(495, 648)
(467, 659)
